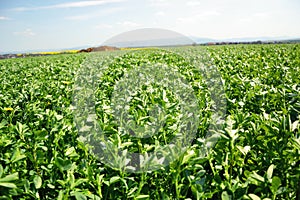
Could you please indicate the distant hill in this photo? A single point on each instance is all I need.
(48, 53)
(160, 42)
(100, 48)
(200, 40)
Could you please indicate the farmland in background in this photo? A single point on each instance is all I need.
(257, 156)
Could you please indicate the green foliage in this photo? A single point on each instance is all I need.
(257, 156)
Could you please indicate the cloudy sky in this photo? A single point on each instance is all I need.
(59, 24)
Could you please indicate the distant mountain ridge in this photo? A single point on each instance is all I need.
(198, 40)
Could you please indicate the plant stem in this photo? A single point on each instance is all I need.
(141, 184)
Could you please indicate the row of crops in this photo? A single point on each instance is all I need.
(252, 152)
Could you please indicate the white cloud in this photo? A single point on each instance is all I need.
(77, 4)
(199, 17)
(160, 3)
(262, 15)
(79, 17)
(103, 26)
(160, 14)
(210, 13)
(246, 20)
(193, 3)
(95, 14)
(128, 24)
(4, 18)
(27, 32)
(81, 4)
(255, 17)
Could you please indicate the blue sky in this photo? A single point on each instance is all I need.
(59, 24)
